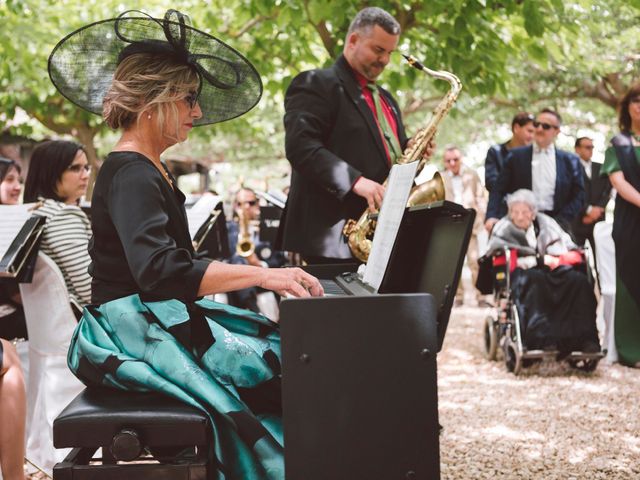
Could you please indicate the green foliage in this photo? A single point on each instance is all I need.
(516, 53)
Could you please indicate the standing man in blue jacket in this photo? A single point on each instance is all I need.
(554, 176)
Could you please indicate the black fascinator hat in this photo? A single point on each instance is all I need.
(82, 65)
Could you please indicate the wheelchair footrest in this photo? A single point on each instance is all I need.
(576, 355)
(585, 356)
(530, 354)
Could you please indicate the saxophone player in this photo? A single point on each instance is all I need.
(343, 133)
(247, 249)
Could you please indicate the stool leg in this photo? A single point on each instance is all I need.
(107, 457)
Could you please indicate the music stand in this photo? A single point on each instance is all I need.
(211, 240)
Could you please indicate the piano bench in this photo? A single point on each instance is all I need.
(142, 435)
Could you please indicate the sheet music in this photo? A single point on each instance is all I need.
(391, 212)
(12, 218)
(200, 211)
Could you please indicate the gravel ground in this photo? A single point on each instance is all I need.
(551, 422)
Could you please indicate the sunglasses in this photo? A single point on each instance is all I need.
(545, 126)
(77, 168)
(251, 203)
(191, 98)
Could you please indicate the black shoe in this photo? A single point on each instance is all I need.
(589, 346)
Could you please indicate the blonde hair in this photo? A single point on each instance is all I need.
(146, 81)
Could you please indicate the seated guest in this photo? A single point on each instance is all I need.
(554, 176)
(243, 235)
(13, 412)
(556, 303)
(12, 324)
(58, 177)
(10, 185)
(148, 328)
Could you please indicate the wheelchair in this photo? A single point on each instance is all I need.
(503, 331)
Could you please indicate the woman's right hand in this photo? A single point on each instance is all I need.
(291, 282)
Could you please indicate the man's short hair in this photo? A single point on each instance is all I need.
(521, 119)
(244, 189)
(450, 146)
(551, 111)
(579, 140)
(368, 17)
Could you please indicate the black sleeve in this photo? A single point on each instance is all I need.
(138, 210)
(573, 207)
(308, 125)
(496, 206)
(491, 169)
(605, 194)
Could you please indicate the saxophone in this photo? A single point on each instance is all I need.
(359, 233)
(245, 247)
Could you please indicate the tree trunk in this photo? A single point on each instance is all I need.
(85, 135)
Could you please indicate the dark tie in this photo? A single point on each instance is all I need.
(393, 146)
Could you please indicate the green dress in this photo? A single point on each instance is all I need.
(627, 312)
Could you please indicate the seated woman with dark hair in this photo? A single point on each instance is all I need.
(556, 302)
(58, 177)
(12, 324)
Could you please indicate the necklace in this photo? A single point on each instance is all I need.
(166, 176)
(128, 145)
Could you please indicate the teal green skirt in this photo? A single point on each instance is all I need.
(220, 359)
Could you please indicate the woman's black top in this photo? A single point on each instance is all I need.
(140, 240)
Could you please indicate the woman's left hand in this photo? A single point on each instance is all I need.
(551, 261)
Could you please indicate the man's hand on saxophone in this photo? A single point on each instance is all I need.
(428, 151)
(371, 191)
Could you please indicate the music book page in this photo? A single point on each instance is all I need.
(12, 218)
(200, 211)
(393, 206)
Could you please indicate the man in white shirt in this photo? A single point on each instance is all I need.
(554, 176)
(462, 185)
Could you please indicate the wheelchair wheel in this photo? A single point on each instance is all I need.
(490, 338)
(512, 360)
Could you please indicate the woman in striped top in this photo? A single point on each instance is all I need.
(58, 177)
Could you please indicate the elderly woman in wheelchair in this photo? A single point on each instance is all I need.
(546, 306)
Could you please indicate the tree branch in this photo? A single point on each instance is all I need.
(328, 40)
(252, 23)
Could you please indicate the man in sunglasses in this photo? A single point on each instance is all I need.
(246, 205)
(598, 193)
(522, 131)
(554, 176)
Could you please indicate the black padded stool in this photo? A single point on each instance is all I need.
(142, 435)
